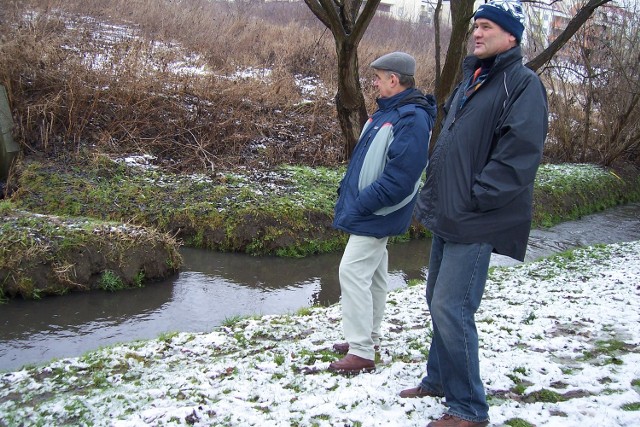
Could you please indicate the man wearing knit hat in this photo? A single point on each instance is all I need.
(376, 199)
(477, 199)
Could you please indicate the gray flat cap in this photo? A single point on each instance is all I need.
(399, 62)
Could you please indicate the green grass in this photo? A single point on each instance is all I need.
(518, 422)
(607, 352)
(544, 395)
(286, 211)
(568, 191)
(33, 246)
(167, 336)
(304, 311)
(633, 406)
(415, 282)
(110, 281)
(231, 321)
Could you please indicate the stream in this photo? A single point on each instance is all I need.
(213, 287)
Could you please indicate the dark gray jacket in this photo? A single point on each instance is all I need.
(479, 186)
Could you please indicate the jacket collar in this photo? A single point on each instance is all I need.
(392, 101)
(503, 60)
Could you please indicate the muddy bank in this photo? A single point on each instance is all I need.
(48, 255)
(286, 211)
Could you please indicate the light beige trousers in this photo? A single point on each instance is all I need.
(363, 284)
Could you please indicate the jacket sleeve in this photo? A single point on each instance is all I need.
(407, 158)
(517, 149)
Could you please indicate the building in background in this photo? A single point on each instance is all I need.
(546, 18)
(418, 10)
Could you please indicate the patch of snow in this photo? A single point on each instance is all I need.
(546, 325)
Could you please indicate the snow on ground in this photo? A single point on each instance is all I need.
(560, 346)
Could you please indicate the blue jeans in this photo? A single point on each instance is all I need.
(455, 284)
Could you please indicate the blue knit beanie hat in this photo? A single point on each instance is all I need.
(508, 14)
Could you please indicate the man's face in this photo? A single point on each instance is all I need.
(385, 82)
(490, 39)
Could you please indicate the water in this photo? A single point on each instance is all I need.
(210, 288)
(213, 287)
(620, 224)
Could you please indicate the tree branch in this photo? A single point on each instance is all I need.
(572, 27)
(363, 20)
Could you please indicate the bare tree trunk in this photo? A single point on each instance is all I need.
(588, 105)
(438, 45)
(350, 102)
(461, 13)
(347, 20)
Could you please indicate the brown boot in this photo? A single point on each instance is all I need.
(352, 364)
(450, 421)
(343, 347)
(418, 392)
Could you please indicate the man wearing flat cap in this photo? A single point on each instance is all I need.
(477, 199)
(376, 198)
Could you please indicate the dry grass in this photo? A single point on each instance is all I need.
(105, 76)
(594, 88)
(101, 76)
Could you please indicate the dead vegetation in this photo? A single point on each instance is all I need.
(212, 85)
(48, 255)
(168, 79)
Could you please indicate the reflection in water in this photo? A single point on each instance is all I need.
(406, 261)
(213, 286)
(210, 288)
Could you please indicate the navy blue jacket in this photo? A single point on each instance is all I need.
(378, 192)
(479, 186)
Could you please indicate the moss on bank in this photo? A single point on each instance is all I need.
(49, 255)
(104, 234)
(285, 212)
(569, 191)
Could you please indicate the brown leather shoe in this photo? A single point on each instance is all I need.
(352, 364)
(418, 392)
(450, 421)
(343, 347)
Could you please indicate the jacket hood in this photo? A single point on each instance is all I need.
(410, 96)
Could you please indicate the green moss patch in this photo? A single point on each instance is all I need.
(287, 211)
(568, 191)
(44, 254)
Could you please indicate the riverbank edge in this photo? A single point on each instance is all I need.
(268, 370)
(43, 255)
(243, 211)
